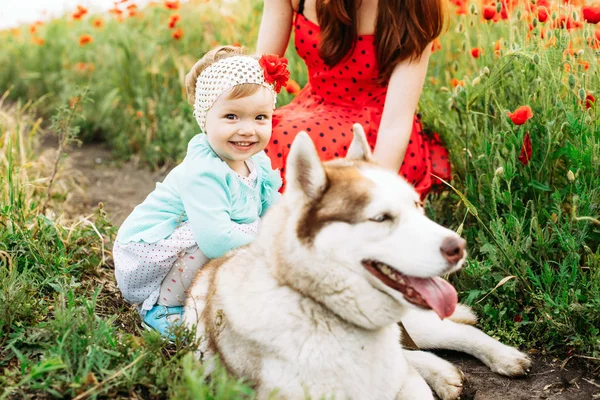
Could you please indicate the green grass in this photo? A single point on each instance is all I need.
(533, 230)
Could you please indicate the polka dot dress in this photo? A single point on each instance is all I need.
(336, 98)
(161, 272)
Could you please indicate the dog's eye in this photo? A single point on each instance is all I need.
(381, 218)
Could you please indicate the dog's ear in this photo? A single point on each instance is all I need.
(305, 172)
(359, 148)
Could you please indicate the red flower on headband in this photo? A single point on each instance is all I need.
(276, 71)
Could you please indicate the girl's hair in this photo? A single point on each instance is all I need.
(403, 30)
(238, 91)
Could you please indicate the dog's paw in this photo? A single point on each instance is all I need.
(447, 382)
(508, 361)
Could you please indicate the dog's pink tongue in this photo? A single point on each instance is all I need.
(438, 293)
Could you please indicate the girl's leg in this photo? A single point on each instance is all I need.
(173, 289)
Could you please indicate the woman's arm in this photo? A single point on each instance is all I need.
(404, 90)
(275, 27)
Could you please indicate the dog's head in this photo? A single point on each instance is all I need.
(355, 238)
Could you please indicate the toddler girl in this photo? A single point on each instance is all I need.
(212, 202)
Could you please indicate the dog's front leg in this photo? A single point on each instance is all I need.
(444, 378)
(429, 332)
(414, 386)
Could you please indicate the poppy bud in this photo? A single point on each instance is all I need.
(476, 81)
(473, 9)
(459, 27)
(581, 94)
(486, 71)
(536, 58)
(572, 81)
(499, 171)
(534, 22)
(571, 176)
(498, 7)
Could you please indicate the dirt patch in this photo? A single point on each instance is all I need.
(123, 185)
(120, 186)
(548, 379)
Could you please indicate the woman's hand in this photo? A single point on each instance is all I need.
(275, 27)
(404, 90)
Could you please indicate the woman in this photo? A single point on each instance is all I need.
(367, 62)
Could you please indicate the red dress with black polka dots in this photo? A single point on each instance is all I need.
(335, 98)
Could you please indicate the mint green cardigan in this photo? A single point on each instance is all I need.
(205, 191)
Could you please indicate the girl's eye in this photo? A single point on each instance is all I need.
(230, 116)
(261, 117)
(381, 218)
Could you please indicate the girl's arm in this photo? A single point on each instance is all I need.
(207, 204)
(275, 27)
(404, 90)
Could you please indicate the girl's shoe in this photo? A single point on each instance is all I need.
(162, 318)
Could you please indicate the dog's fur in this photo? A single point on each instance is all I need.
(298, 312)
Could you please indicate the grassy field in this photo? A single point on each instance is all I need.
(526, 197)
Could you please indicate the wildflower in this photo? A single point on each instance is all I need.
(589, 100)
(526, 150)
(81, 11)
(436, 45)
(571, 176)
(476, 52)
(32, 28)
(173, 19)
(292, 87)
(139, 114)
(15, 32)
(520, 115)
(498, 47)
(38, 41)
(85, 39)
(542, 14)
(178, 34)
(489, 12)
(591, 13)
(172, 5)
(597, 34)
(455, 82)
(98, 23)
(518, 318)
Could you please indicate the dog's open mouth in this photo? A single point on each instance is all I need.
(434, 293)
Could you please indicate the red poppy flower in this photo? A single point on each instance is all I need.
(173, 19)
(292, 87)
(518, 318)
(172, 5)
(85, 39)
(476, 52)
(542, 14)
(589, 100)
(526, 150)
(591, 13)
(178, 34)
(98, 23)
(489, 12)
(275, 68)
(520, 115)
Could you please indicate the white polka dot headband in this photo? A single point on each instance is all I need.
(268, 71)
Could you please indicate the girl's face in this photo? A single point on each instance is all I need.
(237, 129)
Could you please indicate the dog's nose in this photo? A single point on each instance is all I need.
(453, 249)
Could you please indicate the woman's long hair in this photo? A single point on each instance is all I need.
(402, 31)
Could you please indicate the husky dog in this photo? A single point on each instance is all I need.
(311, 308)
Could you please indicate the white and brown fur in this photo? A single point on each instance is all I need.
(297, 314)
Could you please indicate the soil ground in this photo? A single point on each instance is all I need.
(121, 186)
